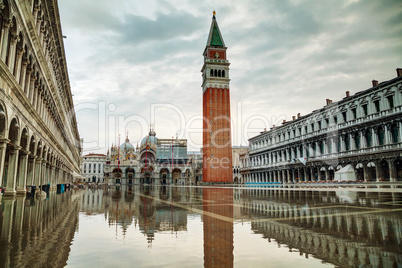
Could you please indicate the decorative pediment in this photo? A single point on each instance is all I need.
(389, 91)
(375, 96)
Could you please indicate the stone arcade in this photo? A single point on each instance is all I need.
(363, 130)
(39, 140)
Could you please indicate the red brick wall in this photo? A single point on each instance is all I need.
(217, 148)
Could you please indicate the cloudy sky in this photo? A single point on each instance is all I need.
(132, 63)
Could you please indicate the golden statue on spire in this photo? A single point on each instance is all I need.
(214, 13)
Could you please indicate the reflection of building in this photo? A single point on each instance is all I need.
(323, 225)
(37, 233)
(92, 167)
(155, 161)
(363, 130)
(148, 208)
(217, 144)
(218, 227)
(39, 140)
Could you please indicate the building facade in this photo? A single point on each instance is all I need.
(92, 167)
(217, 143)
(39, 140)
(154, 162)
(363, 130)
(237, 152)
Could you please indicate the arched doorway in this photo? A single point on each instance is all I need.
(331, 173)
(371, 174)
(164, 176)
(359, 172)
(130, 173)
(147, 175)
(117, 174)
(383, 171)
(176, 175)
(398, 169)
(11, 158)
(323, 173)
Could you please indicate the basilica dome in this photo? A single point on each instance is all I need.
(151, 139)
(126, 145)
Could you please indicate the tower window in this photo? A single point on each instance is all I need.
(212, 72)
(215, 72)
(219, 73)
(223, 73)
(210, 101)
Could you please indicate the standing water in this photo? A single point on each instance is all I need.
(170, 226)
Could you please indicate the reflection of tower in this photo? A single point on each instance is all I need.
(218, 227)
(217, 144)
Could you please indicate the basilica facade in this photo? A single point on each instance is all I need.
(362, 131)
(39, 140)
(153, 162)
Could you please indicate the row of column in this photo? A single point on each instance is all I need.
(24, 169)
(329, 146)
(293, 175)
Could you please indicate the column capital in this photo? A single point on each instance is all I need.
(15, 149)
(6, 24)
(4, 142)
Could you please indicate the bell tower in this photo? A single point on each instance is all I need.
(217, 139)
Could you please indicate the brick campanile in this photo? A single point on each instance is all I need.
(217, 139)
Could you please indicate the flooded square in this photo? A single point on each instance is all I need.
(170, 226)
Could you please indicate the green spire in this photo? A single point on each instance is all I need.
(215, 36)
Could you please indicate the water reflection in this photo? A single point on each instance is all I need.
(340, 227)
(218, 227)
(354, 229)
(37, 233)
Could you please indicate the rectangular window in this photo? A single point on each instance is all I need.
(305, 130)
(319, 125)
(365, 111)
(327, 122)
(300, 133)
(344, 116)
(390, 100)
(354, 113)
(294, 133)
(377, 106)
(289, 135)
(312, 127)
(335, 119)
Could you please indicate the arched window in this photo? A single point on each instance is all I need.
(347, 142)
(215, 73)
(394, 133)
(357, 141)
(329, 146)
(219, 73)
(212, 73)
(223, 73)
(368, 138)
(381, 136)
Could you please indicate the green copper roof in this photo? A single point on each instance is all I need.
(215, 36)
(216, 39)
